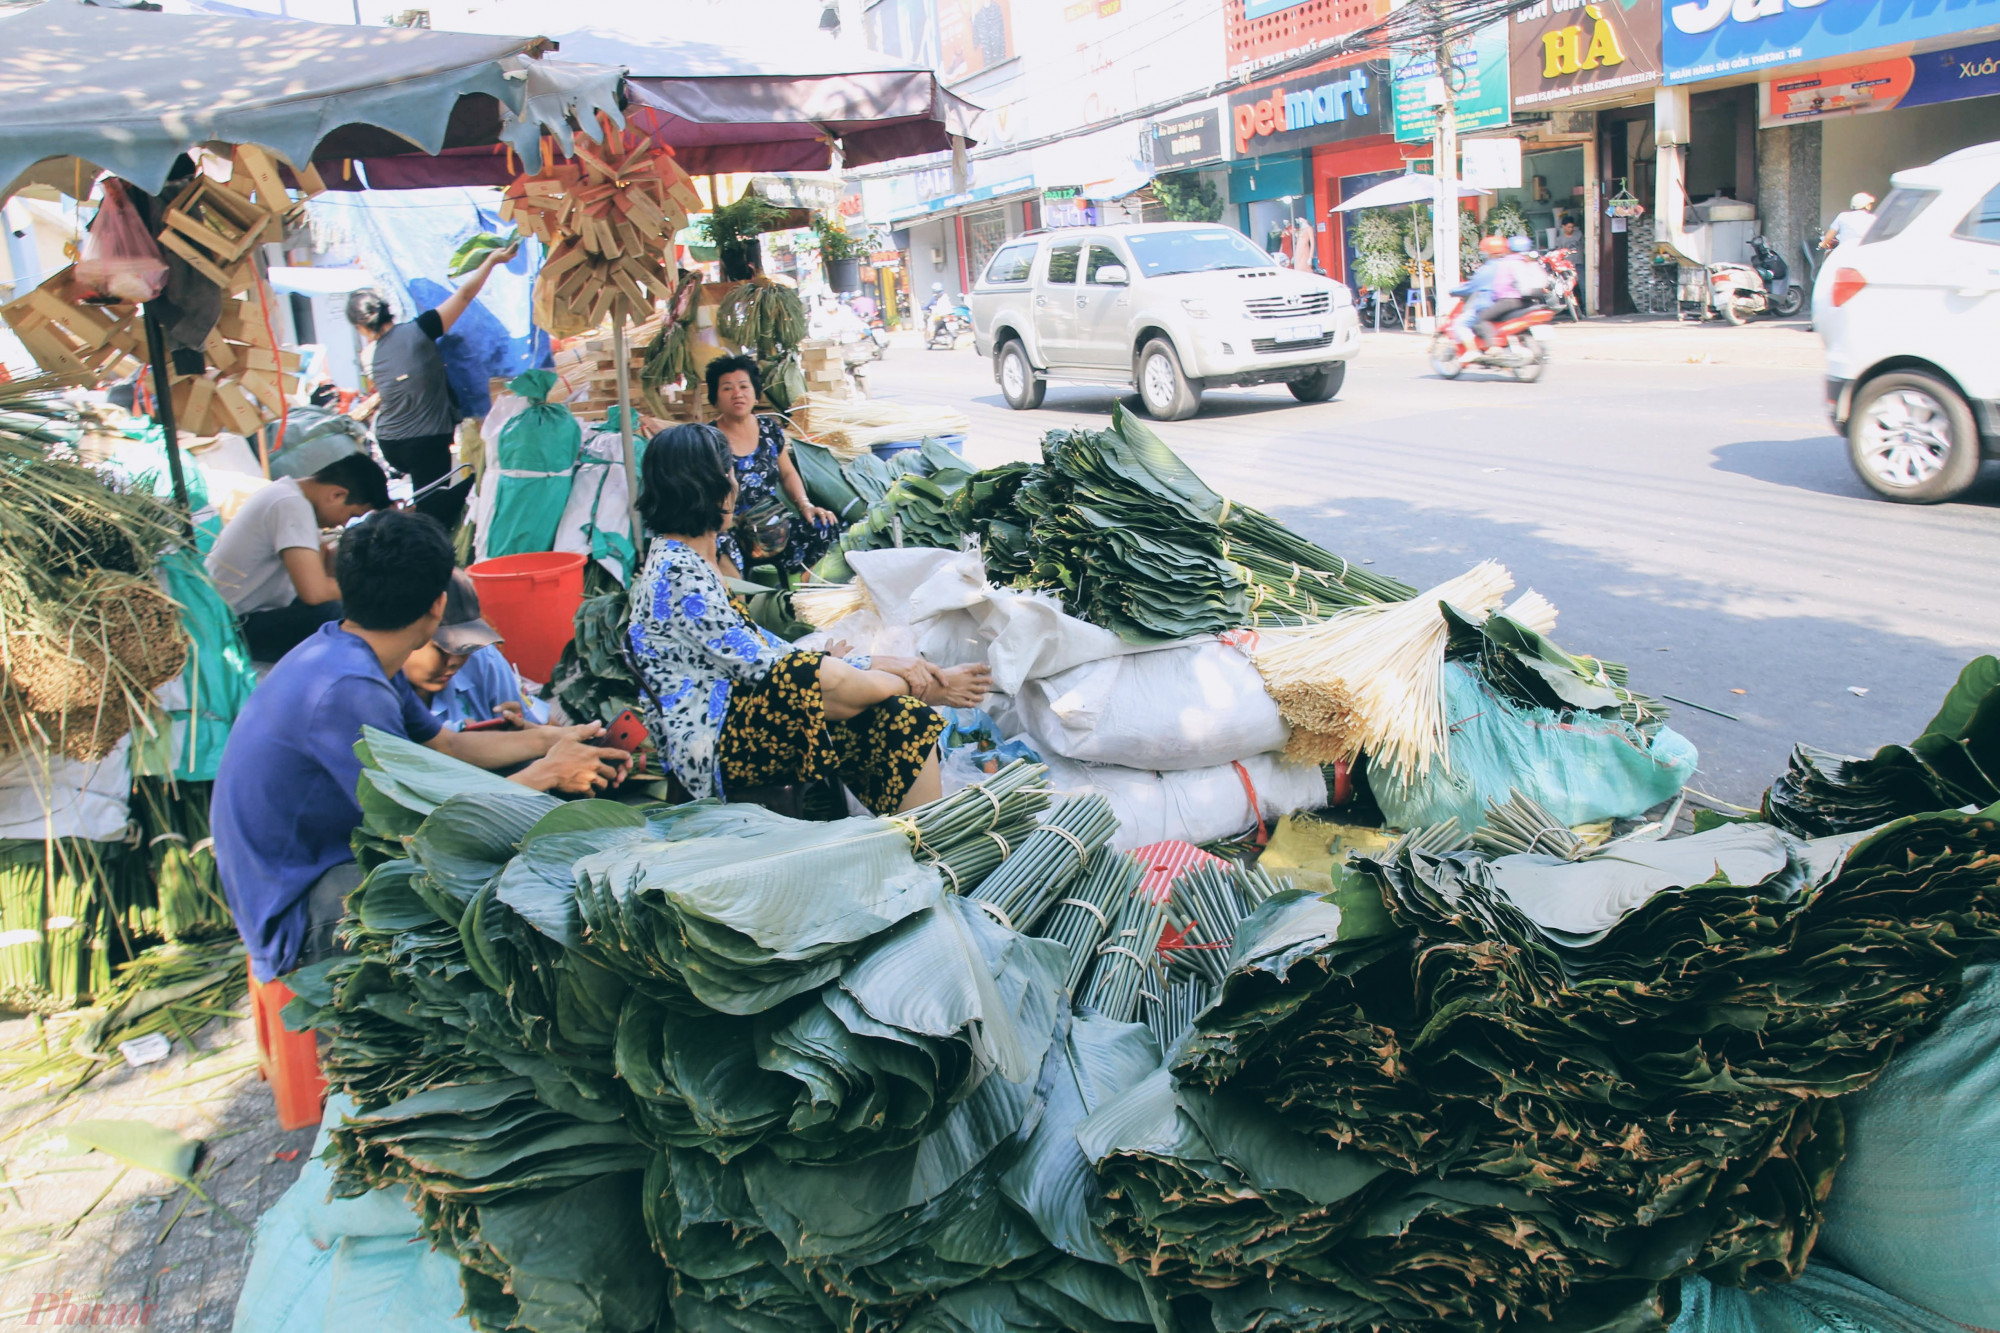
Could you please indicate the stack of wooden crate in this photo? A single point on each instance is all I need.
(215, 227)
(825, 370)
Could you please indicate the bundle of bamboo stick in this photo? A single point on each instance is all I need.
(1371, 680)
(608, 217)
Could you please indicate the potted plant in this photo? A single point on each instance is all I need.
(734, 229)
(840, 252)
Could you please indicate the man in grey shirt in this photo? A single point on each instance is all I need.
(418, 416)
(268, 563)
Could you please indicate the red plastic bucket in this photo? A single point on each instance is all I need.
(532, 600)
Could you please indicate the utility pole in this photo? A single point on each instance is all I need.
(1444, 212)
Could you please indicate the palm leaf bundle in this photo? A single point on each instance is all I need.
(85, 633)
(1953, 762)
(1540, 1068)
(1370, 679)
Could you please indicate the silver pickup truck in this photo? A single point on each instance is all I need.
(1169, 307)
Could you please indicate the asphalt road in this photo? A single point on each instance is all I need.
(1695, 520)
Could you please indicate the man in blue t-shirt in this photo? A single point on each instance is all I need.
(284, 808)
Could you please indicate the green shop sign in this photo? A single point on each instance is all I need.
(1479, 84)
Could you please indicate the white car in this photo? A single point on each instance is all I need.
(1169, 307)
(1910, 315)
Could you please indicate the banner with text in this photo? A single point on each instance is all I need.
(1479, 86)
(1565, 51)
(1706, 39)
(1881, 85)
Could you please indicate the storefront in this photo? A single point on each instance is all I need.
(1298, 142)
(947, 235)
(1798, 109)
(1581, 80)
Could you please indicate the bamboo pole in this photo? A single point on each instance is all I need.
(625, 433)
(163, 412)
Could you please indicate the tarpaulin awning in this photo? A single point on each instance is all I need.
(778, 106)
(128, 91)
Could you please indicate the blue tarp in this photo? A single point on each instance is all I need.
(406, 238)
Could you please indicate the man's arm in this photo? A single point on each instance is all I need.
(561, 761)
(455, 304)
(310, 578)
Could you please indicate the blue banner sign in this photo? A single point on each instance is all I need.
(1708, 39)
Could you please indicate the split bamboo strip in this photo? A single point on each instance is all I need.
(821, 604)
(1370, 680)
(1080, 920)
(1052, 858)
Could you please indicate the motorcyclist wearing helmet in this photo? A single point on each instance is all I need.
(1478, 294)
(1517, 280)
(936, 313)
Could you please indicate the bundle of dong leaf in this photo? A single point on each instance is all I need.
(916, 505)
(593, 678)
(472, 252)
(1538, 1090)
(1132, 539)
(632, 1058)
(1953, 763)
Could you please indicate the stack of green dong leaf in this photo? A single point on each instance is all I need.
(702, 1064)
(1954, 762)
(1540, 1090)
(1128, 535)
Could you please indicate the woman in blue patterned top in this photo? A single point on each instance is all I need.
(766, 474)
(729, 704)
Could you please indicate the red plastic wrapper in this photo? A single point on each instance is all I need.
(121, 263)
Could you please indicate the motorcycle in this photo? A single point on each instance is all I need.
(1736, 292)
(1562, 282)
(1517, 350)
(869, 313)
(1786, 298)
(944, 334)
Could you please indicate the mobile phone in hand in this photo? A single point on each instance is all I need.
(490, 724)
(626, 732)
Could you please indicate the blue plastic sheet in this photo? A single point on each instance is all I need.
(1823, 1300)
(1580, 767)
(406, 239)
(325, 1265)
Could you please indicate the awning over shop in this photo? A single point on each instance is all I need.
(128, 91)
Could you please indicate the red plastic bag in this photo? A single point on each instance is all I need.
(121, 263)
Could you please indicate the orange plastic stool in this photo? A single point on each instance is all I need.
(287, 1060)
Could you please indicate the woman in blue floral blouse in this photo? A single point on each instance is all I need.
(765, 473)
(731, 705)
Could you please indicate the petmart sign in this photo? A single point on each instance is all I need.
(1280, 117)
(1706, 39)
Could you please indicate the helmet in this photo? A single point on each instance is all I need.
(1493, 245)
(937, 287)
(1864, 201)
(1520, 245)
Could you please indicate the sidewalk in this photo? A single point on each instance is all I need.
(1767, 343)
(88, 1241)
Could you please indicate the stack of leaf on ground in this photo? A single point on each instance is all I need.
(703, 1057)
(1535, 1091)
(1954, 762)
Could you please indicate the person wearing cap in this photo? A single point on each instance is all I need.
(1847, 228)
(284, 808)
(269, 564)
(460, 676)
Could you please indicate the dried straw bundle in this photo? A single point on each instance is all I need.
(849, 430)
(1371, 679)
(821, 604)
(1533, 610)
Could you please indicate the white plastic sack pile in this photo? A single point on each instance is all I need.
(66, 798)
(597, 496)
(1191, 706)
(939, 604)
(1194, 805)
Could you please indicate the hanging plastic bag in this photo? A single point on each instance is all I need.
(537, 452)
(121, 263)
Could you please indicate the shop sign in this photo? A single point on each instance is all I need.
(1705, 39)
(1561, 50)
(1187, 140)
(1490, 164)
(1881, 85)
(1307, 110)
(1479, 99)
